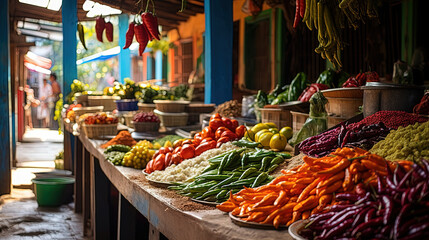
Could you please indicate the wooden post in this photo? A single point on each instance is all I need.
(101, 193)
(5, 146)
(126, 219)
(218, 50)
(407, 31)
(69, 21)
(86, 192)
(158, 64)
(124, 54)
(78, 162)
(149, 62)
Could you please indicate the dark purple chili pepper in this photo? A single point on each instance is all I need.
(360, 217)
(416, 235)
(405, 178)
(419, 227)
(348, 216)
(398, 219)
(388, 205)
(348, 197)
(367, 224)
(370, 214)
(379, 184)
(424, 191)
(346, 138)
(338, 208)
(404, 228)
(385, 231)
(341, 134)
(414, 191)
(338, 229)
(360, 190)
(426, 165)
(404, 197)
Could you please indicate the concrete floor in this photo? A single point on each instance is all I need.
(20, 216)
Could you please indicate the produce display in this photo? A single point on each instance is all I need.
(139, 155)
(116, 153)
(309, 91)
(332, 78)
(146, 117)
(361, 79)
(308, 189)
(187, 170)
(395, 209)
(231, 171)
(219, 131)
(409, 143)
(123, 138)
(166, 141)
(423, 106)
(99, 118)
(229, 109)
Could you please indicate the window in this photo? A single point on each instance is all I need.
(183, 61)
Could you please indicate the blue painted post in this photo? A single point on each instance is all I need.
(158, 65)
(149, 63)
(69, 16)
(5, 147)
(218, 51)
(124, 54)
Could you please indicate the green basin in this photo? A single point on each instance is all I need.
(52, 192)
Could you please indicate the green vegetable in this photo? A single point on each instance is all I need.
(277, 160)
(261, 177)
(239, 183)
(260, 101)
(327, 77)
(221, 194)
(117, 148)
(210, 193)
(272, 168)
(246, 143)
(341, 78)
(281, 98)
(298, 84)
(248, 172)
(265, 163)
(164, 139)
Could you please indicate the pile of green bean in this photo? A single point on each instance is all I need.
(228, 173)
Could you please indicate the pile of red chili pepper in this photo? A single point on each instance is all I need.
(347, 135)
(219, 131)
(312, 89)
(361, 79)
(396, 209)
(393, 119)
(307, 189)
(145, 28)
(100, 26)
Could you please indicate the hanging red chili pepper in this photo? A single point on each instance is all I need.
(151, 22)
(297, 14)
(100, 24)
(142, 37)
(129, 35)
(109, 31)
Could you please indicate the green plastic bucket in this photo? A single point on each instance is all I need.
(52, 192)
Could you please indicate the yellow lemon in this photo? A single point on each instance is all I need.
(265, 138)
(270, 125)
(258, 134)
(157, 145)
(278, 141)
(287, 132)
(168, 144)
(258, 127)
(273, 130)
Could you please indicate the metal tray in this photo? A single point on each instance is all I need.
(242, 223)
(295, 227)
(159, 184)
(204, 202)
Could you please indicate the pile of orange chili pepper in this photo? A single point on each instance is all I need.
(308, 188)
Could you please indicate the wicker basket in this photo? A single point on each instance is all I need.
(172, 119)
(146, 126)
(128, 118)
(107, 101)
(282, 118)
(168, 106)
(79, 111)
(200, 108)
(97, 130)
(146, 107)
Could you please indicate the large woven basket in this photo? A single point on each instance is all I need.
(168, 106)
(98, 130)
(146, 107)
(146, 126)
(107, 101)
(79, 111)
(172, 119)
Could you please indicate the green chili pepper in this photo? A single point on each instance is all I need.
(223, 163)
(265, 163)
(261, 177)
(272, 168)
(247, 173)
(277, 160)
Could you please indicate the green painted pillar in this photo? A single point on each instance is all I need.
(407, 31)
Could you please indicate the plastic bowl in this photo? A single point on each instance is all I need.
(52, 192)
(127, 105)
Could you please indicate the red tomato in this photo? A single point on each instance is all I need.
(198, 136)
(240, 131)
(176, 159)
(208, 132)
(229, 134)
(196, 142)
(234, 124)
(215, 123)
(169, 149)
(155, 155)
(204, 147)
(177, 150)
(206, 140)
(159, 163)
(149, 167)
(216, 115)
(223, 140)
(187, 141)
(219, 132)
(227, 123)
(188, 151)
(162, 150)
(168, 159)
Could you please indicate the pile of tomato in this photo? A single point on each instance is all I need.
(219, 131)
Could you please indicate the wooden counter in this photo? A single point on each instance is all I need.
(137, 196)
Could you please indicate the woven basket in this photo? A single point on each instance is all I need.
(128, 118)
(107, 101)
(79, 111)
(97, 130)
(172, 119)
(168, 106)
(146, 107)
(146, 126)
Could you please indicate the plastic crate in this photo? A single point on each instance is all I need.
(172, 119)
(282, 118)
(107, 101)
(97, 130)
